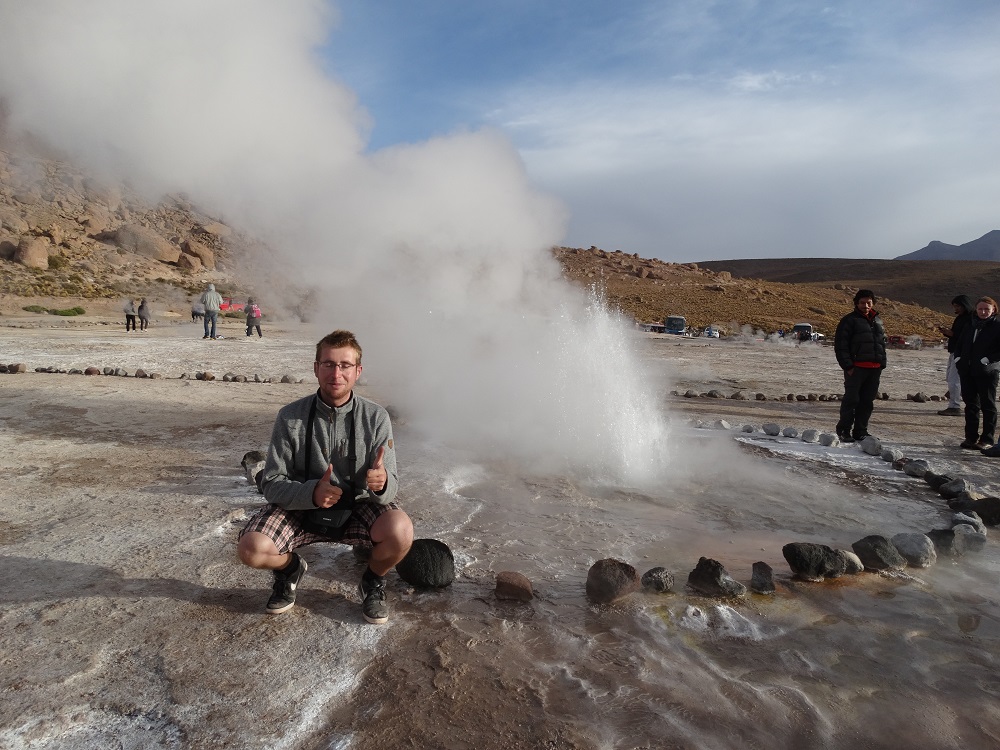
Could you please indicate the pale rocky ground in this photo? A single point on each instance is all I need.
(127, 620)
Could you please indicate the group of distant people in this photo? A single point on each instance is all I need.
(973, 368)
(207, 309)
(131, 313)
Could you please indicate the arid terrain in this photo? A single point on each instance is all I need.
(70, 240)
(129, 622)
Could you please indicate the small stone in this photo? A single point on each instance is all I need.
(762, 580)
(513, 586)
(659, 580)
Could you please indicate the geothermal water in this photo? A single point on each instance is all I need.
(141, 629)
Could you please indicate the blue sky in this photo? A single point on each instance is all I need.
(704, 130)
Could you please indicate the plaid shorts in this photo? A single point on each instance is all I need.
(285, 527)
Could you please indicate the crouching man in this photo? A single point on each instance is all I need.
(330, 476)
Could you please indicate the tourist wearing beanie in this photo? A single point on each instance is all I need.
(860, 348)
(978, 362)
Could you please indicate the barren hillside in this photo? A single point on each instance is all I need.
(649, 290)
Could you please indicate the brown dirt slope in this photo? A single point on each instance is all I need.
(929, 283)
(649, 289)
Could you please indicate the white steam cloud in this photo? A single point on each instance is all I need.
(435, 254)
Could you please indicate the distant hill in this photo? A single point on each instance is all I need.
(810, 291)
(986, 247)
(927, 283)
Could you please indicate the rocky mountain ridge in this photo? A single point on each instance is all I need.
(986, 247)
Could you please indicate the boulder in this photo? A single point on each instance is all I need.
(947, 542)
(33, 252)
(917, 549)
(852, 563)
(878, 553)
(771, 429)
(610, 579)
(204, 255)
(762, 580)
(813, 562)
(513, 586)
(954, 488)
(144, 241)
(916, 468)
(429, 564)
(810, 436)
(189, 263)
(215, 229)
(710, 578)
(972, 539)
(970, 518)
(936, 480)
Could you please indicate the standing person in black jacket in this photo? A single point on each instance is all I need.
(860, 347)
(978, 362)
(964, 310)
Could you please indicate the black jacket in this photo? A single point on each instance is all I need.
(859, 339)
(961, 321)
(981, 338)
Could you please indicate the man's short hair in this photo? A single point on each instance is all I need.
(862, 293)
(337, 340)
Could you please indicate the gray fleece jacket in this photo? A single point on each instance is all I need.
(284, 482)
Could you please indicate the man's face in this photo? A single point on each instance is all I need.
(865, 304)
(984, 310)
(337, 371)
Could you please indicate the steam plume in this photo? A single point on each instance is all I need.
(436, 254)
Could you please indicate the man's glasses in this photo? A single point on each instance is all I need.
(344, 367)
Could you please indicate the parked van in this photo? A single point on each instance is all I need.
(675, 324)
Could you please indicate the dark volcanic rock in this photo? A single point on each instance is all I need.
(762, 580)
(813, 562)
(610, 579)
(878, 553)
(947, 542)
(711, 579)
(428, 564)
(987, 508)
(660, 580)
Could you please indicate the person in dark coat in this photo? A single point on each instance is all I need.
(860, 347)
(964, 310)
(143, 315)
(978, 363)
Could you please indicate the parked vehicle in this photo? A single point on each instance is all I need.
(676, 324)
(228, 305)
(905, 342)
(710, 332)
(802, 332)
